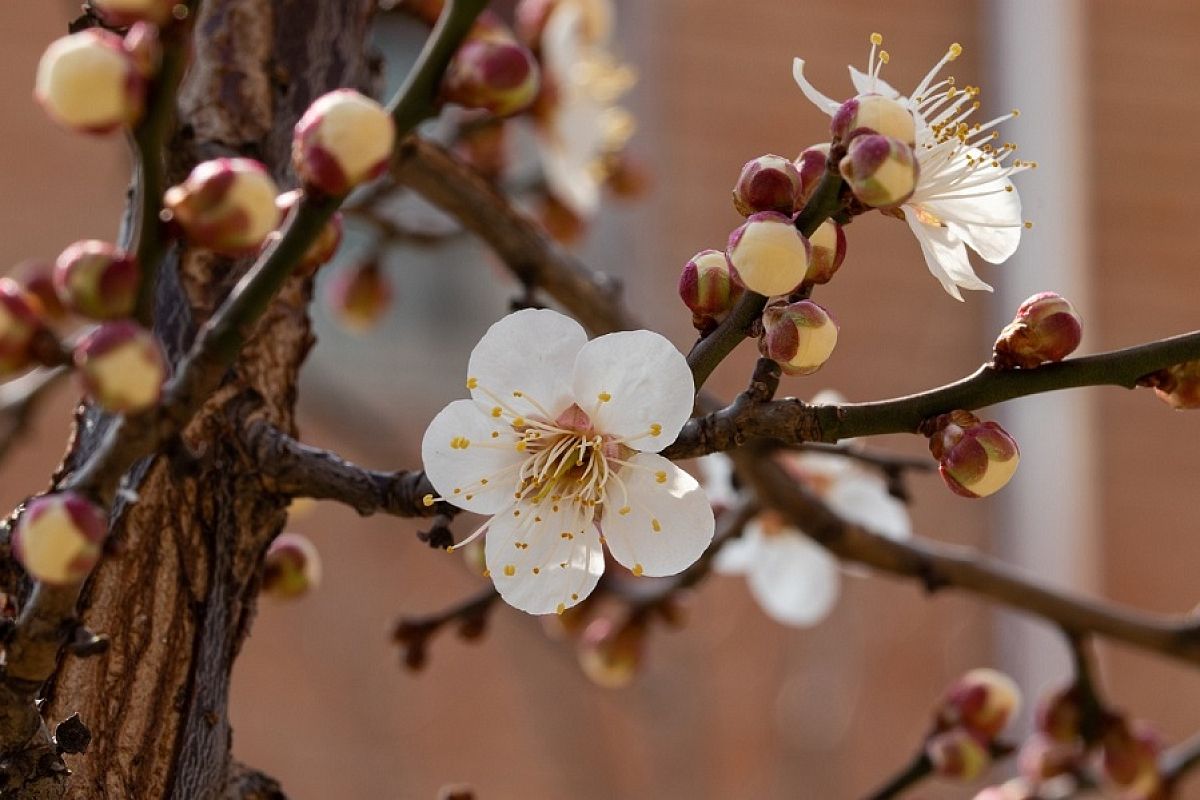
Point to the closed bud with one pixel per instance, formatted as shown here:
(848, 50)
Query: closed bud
(708, 288)
(1046, 328)
(799, 336)
(19, 325)
(1129, 758)
(1177, 386)
(36, 277)
(873, 114)
(292, 567)
(626, 177)
(59, 537)
(610, 654)
(975, 458)
(122, 366)
(981, 701)
(359, 296)
(828, 251)
(881, 171)
(811, 164)
(89, 82)
(343, 139)
(1042, 758)
(957, 754)
(123, 13)
(768, 254)
(328, 241)
(768, 183)
(144, 46)
(1059, 716)
(226, 205)
(494, 74)
(97, 280)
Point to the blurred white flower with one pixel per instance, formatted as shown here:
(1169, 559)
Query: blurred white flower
(580, 124)
(558, 442)
(964, 197)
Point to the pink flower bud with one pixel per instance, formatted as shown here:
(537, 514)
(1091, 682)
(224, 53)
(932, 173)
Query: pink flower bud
(19, 325)
(122, 366)
(343, 139)
(873, 114)
(226, 205)
(97, 280)
(1046, 328)
(768, 183)
(1059, 715)
(768, 254)
(327, 243)
(708, 288)
(36, 277)
(828, 251)
(799, 336)
(144, 46)
(292, 567)
(494, 74)
(811, 165)
(957, 754)
(975, 458)
(1042, 758)
(1130, 754)
(89, 82)
(359, 296)
(626, 177)
(981, 701)
(881, 171)
(1177, 386)
(610, 654)
(123, 13)
(58, 538)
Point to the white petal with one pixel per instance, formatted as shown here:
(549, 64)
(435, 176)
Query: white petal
(717, 471)
(737, 556)
(532, 352)
(557, 563)
(863, 499)
(676, 503)
(485, 457)
(993, 205)
(945, 256)
(864, 85)
(795, 580)
(646, 385)
(816, 98)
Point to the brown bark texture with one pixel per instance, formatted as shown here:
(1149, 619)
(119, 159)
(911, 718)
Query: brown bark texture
(176, 591)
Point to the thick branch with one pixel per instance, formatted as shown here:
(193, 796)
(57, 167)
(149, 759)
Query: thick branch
(297, 470)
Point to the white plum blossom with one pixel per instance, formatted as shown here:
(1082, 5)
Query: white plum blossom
(581, 124)
(795, 580)
(964, 197)
(558, 443)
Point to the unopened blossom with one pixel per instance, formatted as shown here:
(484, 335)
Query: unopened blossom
(558, 443)
(226, 205)
(963, 197)
(89, 82)
(344, 139)
(59, 537)
(122, 367)
(794, 579)
(580, 126)
(1046, 328)
(957, 754)
(291, 568)
(97, 279)
(982, 701)
(122, 13)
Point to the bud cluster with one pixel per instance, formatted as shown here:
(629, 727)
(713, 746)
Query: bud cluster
(709, 288)
(122, 367)
(492, 71)
(91, 82)
(799, 336)
(226, 205)
(975, 458)
(1046, 328)
(342, 140)
(97, 280)
(973, 712)
(359, 295)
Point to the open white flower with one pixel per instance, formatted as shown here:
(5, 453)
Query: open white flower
(964, 197)
(582, 124)
(794, 579)
(558, 442)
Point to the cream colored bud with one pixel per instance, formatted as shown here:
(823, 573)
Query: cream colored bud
(769, 255)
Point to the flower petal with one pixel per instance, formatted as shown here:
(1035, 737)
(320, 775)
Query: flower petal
(717, 471)
(795, 580)
(945, 256)
(864, 84)
(667, 522)
(531, 352)
(992, 204)
(543, 560)
(635, 384)
(737, 556)
(863, 499)
(816, 98)
(456, 471)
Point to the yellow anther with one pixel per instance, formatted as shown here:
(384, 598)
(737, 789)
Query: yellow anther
(518, 422)
(518, 394)
(574, 596)
(472, 383)
(487, 573)
(497, 411)
(470, 497)
(623, 510)
(510, 570)
(884, 57)
(521, 446)
(536, 570)
(495, 434)
(1016, 112)
(1028, 225)
(655, 429)
(483, 481)
(660, 476)
(955, 51)
(567, 535)
(561, 608)
(457, 490)
(638, 569)
(877, 39)
(604, 397)
(656, 525)
(517, 513)
(427, 500)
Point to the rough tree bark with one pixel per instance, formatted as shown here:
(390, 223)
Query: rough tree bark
(177, 590)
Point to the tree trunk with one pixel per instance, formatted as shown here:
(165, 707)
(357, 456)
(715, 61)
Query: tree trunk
(176, 592)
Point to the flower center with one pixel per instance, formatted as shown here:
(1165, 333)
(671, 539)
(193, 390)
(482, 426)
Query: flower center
(571, 465)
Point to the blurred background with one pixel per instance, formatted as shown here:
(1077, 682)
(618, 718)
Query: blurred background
(733, 705)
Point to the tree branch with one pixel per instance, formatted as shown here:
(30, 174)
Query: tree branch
(297, 470)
